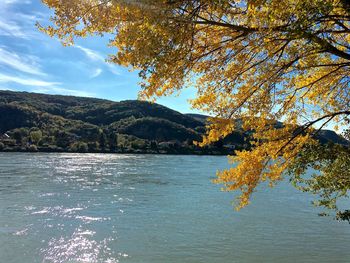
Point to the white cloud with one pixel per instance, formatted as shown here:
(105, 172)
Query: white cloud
(10, 28)
(63, 91)
(96, 73)
(6, 88)
(26, 81)
(113, 69)
(41, 86)
(23, 63)
(11, 2)
(18, 24)
(97, 57)
(93, 55)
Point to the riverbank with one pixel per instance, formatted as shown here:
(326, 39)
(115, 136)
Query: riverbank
(178, 151)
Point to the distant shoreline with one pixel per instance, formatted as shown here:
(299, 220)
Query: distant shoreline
(125, 152)
(31, 122)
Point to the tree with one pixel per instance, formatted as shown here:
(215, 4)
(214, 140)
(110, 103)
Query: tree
(113, 139)
(32, 148)
(102, 140)
(255, 61)
(80, 147)
(154, 145)
(63, 138)
(17, 135)
(93, 146)
(36, 136)
(332, 180)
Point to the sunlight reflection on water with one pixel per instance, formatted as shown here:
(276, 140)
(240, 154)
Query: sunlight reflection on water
(151, 209)
(79, 247)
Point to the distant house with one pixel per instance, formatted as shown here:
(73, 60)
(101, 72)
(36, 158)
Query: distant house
(6, 139)
(4, 136)
(169, 144)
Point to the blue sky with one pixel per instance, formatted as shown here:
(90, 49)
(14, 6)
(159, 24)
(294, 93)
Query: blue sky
(31, 61)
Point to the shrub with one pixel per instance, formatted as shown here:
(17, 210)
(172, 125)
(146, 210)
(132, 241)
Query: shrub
(81, 147)
(36, 136)
(32, 148)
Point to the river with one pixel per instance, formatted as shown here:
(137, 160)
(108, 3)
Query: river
(152, 209)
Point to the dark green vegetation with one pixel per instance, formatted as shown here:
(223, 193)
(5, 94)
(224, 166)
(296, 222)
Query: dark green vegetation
(330, 180)
(38, 122)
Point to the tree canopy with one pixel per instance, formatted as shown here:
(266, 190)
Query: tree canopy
(255, 61)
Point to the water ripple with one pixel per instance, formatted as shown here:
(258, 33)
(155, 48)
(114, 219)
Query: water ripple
(79, 247)
(151, 209)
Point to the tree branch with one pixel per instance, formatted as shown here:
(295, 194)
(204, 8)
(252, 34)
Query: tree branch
(303, 128)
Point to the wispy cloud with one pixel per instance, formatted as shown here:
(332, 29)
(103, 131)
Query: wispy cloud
(113, 69)
(11, 2)
(98, 57)
(91, 54)
(23, 63)
(10, 28)
(6, 88)
(96, 73)
(40, 86)
(27, 81)
(63, 91)
(18, 24)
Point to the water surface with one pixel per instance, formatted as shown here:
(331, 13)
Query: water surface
(150, 209)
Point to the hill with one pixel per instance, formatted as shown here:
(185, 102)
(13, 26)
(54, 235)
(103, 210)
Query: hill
(66, 123)
(39, 122)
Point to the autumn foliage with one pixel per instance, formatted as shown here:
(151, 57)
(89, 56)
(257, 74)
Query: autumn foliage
(252, 62)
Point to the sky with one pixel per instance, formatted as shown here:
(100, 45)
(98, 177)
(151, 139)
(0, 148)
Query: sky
(32, 61)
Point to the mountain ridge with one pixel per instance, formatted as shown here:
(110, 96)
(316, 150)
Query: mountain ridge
(41, 122)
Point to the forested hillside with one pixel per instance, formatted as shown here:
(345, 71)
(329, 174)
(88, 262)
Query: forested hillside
(38, 122)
